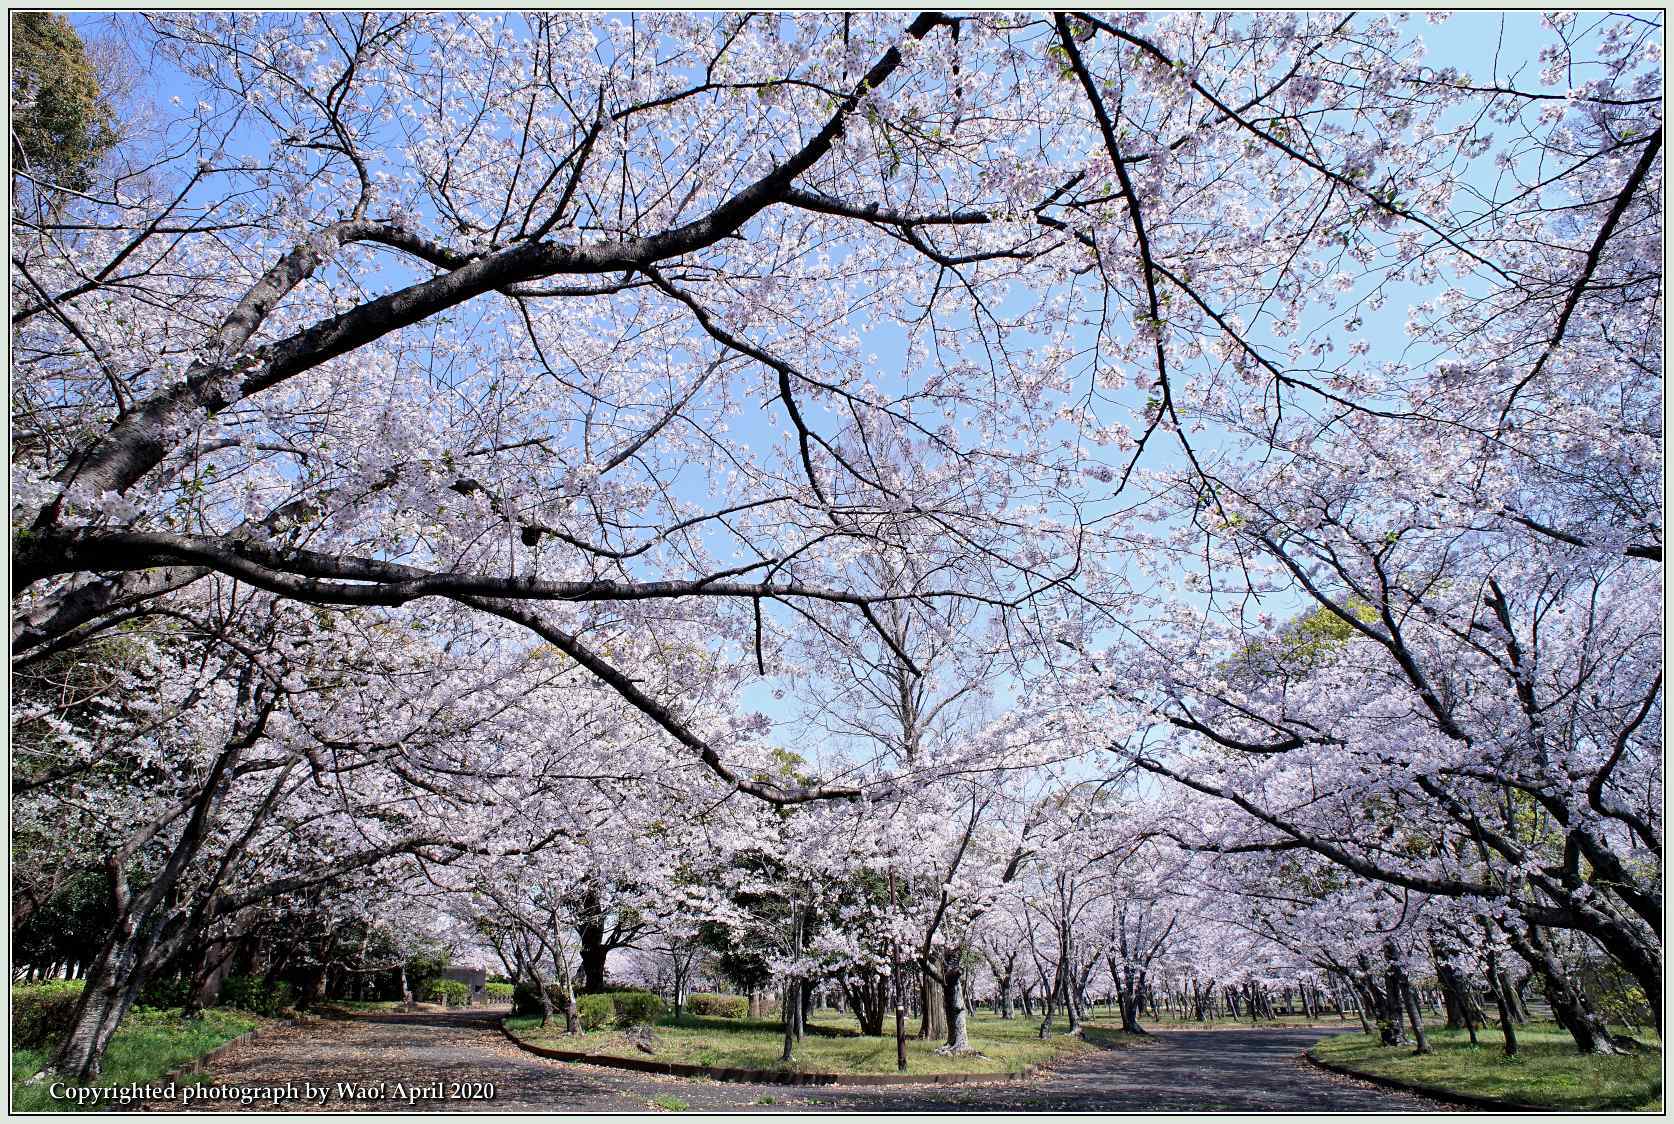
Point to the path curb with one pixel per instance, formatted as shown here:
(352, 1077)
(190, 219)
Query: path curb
(763, 1076)
(1464, 1100)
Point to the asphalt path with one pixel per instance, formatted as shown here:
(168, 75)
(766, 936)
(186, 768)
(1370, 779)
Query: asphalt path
(459, 1061)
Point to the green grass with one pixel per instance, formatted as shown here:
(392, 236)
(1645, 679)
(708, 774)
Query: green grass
(367, 1004)
(148, 1044)
(1546, 1071)
(670, 1102)
(1006, 1046)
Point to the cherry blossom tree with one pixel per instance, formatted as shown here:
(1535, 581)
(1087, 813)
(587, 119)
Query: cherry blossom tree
(429, 432)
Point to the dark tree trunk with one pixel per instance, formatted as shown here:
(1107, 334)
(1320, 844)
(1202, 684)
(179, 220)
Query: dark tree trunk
(932, 1023)
(867, 993)
(590, 928)
(1414, 1017)
(1049, 1003)
(113, 982)
(1497, 984)
(593, 956)
(1569, 1003)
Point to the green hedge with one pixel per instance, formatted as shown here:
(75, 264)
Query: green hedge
(595, 1011)
(500, 992)
(636, 1007)
(718, 1006)
(252, 993)
(454, 993)
(615, 1008)
(43, 1013)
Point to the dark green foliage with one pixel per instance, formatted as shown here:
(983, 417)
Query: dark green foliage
(70, 926)
(717, 1006)
(499, 991)
(452, 992)
(636, 1007)
(251, 993)
(43, 1013)
(61, 123)
(426, 965)
(166, 991)
(525, 1000)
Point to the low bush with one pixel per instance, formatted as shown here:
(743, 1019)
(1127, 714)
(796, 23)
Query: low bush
(454, 993)
(595, 1011)
(636, 1007)
(43, 1013)
(169, 991)
(253, 994)
(718, 1006)
(499, 991)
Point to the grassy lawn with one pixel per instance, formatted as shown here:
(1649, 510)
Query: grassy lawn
(147, 1045)
(1546, 1071)
(1007, 1046)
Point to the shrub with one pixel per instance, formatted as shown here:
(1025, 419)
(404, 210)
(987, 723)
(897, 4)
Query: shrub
(454, 993)
(253, 994)
(595, 1011)
(499, 991)
(636, 1007)
(43, 1013)
(718, 1006)
(168, 991)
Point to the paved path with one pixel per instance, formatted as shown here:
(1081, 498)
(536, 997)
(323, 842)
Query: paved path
(1236, 1070)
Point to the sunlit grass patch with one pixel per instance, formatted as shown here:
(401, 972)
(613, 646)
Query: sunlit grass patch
(148, 1044)
(1546, 1071)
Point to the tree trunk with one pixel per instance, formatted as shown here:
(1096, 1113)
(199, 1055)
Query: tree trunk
(867, 992)
(790, 1009)
(1049, 1002)
(953, 1002)
(1497, 985)
(933, 1020)
(206, 980)
(111, 986)
(1569, 1003)
(593, 958)
(1414, 1017)
(681, 970)
(1570, 1007)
